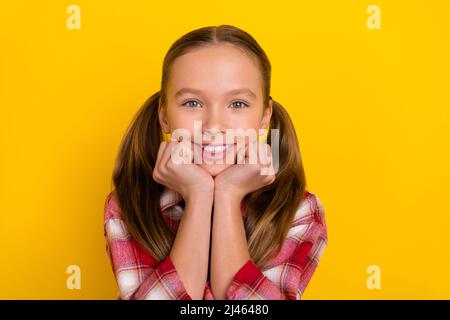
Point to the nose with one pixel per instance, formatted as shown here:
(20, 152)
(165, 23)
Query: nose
(214, 136)
(214, 125)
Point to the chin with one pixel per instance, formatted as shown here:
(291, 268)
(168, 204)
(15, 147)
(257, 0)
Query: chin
(215, 169)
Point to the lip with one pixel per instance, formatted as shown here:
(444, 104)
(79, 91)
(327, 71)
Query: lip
(214, 152)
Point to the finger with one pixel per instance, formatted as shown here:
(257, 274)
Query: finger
(268, 171)
(265, 154)
(156, 169)
(161, 148)
(267, 165)
(251, 152)
(183, 153)
(167, 153)
(241, 152)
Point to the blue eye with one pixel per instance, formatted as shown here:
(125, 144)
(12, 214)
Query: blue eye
(241, 106)
(189, 101)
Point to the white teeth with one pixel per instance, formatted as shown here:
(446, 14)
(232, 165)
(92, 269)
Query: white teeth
(214, 149)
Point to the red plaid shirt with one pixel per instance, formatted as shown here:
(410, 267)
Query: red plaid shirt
(141, 276)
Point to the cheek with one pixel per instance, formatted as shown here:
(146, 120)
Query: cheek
(179, 119)
(184, 128)
(180, 123)
(249, 121)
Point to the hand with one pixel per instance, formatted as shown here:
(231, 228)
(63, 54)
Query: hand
(179, 173)
(244, 177)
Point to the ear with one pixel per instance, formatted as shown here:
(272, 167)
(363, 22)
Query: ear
(265, 121)
(162, 116)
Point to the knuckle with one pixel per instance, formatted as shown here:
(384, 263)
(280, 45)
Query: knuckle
(170, 164)
(269, 179)
(167, 169)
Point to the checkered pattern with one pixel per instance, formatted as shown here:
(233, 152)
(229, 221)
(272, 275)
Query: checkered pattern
(141, 277)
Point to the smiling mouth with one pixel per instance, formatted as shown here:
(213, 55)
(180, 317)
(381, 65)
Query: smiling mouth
(214, 152)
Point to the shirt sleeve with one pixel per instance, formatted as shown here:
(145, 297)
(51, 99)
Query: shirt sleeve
(139, 276)
(302, 249)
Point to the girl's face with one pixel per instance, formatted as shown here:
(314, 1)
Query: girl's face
(221, 87)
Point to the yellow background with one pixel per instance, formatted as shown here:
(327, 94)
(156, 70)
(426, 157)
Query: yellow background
(371, 108)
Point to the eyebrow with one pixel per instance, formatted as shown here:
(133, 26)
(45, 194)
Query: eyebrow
(246, 91)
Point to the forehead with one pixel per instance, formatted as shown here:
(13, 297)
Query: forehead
(215, 69)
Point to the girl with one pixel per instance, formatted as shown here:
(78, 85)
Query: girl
(215, 229)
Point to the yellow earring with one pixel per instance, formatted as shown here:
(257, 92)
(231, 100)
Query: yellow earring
(263, 137)
(166, 136)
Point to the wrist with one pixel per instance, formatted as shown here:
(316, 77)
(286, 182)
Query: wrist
(228, 195)
(201, 193)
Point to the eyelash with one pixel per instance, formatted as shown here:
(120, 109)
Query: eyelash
(246, 105)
